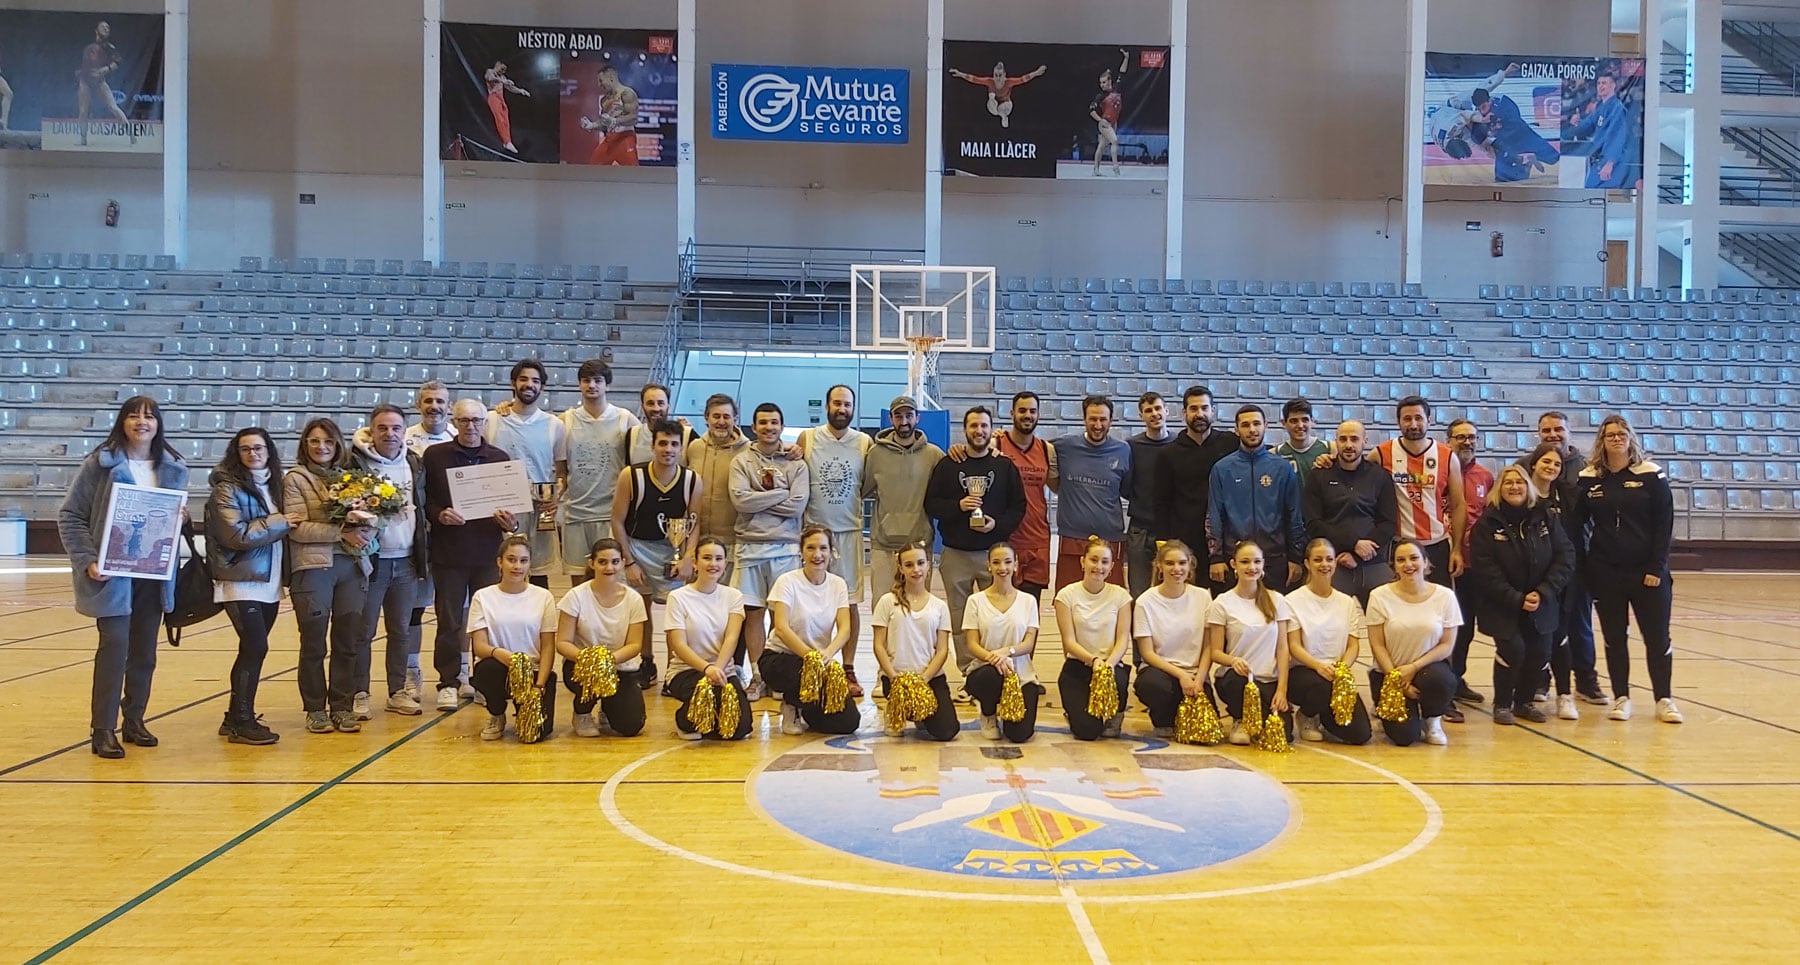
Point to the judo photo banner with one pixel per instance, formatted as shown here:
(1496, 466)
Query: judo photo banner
(81, 81)
(1069, 111)
(558, 95)
(1529, 121)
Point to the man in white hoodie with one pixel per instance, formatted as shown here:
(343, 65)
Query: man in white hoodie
(595, 453)
(769, 488)
(400, 563)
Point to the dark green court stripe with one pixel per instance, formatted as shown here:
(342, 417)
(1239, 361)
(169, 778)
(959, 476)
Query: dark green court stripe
(215, 853)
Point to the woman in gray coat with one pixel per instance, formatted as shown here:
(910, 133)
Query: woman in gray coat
(330, 581)
(127, 611)
(244, 532)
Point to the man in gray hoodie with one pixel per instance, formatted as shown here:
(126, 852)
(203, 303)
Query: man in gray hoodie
(400, 562)
(769, 488)
(895, 473)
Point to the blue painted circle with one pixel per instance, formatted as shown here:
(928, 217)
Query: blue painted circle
(1050, 808)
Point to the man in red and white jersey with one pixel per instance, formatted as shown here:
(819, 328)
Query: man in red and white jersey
(1429, 489)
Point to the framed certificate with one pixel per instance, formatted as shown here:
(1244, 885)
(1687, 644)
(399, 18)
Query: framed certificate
(142, 533)
(478, 492)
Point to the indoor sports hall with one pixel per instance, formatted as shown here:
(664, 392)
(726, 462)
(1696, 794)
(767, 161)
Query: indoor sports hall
(667, 480)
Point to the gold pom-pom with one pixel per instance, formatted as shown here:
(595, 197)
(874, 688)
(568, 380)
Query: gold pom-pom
(909, 699)
(1197, 721)
(1012, 699)
(1343, 694)
(837, 687)
(731, 711)
(595, 673)
(703, 707)
(1274, 736)
(812, 676)
(527, 696)
(1103, 693)
(1391, 706)
(1252, 720)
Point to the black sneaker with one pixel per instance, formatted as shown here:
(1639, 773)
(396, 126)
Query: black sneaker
(1453, 716)
(252, 731)
(1465, 695)
(1504, 715)
(1529, 712)
(1593, 695)
(647, 676)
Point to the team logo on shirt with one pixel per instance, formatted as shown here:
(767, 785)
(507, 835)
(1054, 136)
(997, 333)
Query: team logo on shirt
(1266, 481)
(1054, 808)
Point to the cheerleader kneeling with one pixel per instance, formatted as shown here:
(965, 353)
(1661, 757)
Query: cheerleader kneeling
(1001, 624)
(513, 620)
(1170, 627)
(809, 610)
(1246, 635)
(912, 636)
(703, 621)
(604, 612)
(1327, 631)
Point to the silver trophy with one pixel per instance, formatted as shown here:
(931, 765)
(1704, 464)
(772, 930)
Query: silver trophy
(545, 495)
(978, 488)
(678, 529)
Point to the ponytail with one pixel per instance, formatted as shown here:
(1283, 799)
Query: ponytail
(1265, 601)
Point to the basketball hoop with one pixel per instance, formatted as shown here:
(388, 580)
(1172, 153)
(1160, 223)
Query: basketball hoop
(921, 367)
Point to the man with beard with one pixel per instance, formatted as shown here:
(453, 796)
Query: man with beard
(1094, 475)
(540, 440)
(1351, 502)
(1036, 461)
(895, 474)
(1428, 489)
(653, 406)
(433, 427)
(1184, 476)
(769, 489)
(595, 453)
(834, 455)
(1254, 495)
(710, 455)
(971, 519)
(1146, 451)
(1476, 481)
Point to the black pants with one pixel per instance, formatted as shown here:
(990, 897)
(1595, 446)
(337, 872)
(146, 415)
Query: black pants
(126, 658)
(1469, 600)
(1572, 645)
(328, 605)
(781, 674)
(1231, 691)
(1312, 694)
(1075, 684)
(455, 586)
(252, 621)
(1518, 660)
(1436, 683)
(682, 688)
(490, 677)
(942, 725)
(1438, 555)
(1162, 694)
(984, 683)
(1614, 595)
(624, 710)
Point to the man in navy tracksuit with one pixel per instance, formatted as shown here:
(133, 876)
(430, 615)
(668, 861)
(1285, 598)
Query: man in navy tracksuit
(1519, 150)
(1255, 495)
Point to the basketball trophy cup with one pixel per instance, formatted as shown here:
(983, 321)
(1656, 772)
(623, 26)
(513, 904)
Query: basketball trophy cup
(977, 488)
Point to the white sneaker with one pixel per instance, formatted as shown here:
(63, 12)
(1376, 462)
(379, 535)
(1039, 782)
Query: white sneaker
(359, 705)
(466, 690)
(756, 690)
(415, 680)
(1238, 736)
(1565, 707)
(687, 735)
(990, 727)
(792, 724)
(1667, 712)
(1621, 709)
(1309, 729)
(447, 699)
(586, 726)
(1434, 732)
(495, 726)
(404, 702)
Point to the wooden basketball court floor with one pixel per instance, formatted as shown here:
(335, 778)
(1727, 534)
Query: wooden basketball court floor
(1576, 841)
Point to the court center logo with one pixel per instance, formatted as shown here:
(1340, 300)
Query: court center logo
(769, 103)
(1054, 808)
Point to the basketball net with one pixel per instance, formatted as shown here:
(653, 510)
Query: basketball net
(922, 368)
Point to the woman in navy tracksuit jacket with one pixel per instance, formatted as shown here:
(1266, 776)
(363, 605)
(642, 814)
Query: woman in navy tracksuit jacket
(1520, 559)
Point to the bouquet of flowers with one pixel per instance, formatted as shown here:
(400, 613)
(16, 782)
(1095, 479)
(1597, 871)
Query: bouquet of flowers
(358, 497)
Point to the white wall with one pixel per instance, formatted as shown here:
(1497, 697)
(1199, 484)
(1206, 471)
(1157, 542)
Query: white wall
(1294, 119)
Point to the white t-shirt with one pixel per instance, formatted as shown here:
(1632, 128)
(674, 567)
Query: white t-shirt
(604, 626)
(702, 616)
(269, 590)
(812, 608)
(513, 620)
(1248, 634)
(1412, 629)
(1004, 628)
(1094, 615)
(418, 440)
(912, 635)
(1326, 622)
(143, 471)
(1178, 626)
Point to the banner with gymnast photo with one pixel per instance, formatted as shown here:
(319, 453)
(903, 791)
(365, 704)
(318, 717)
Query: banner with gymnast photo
(556, 95)
(1068, 111)
(87, 82)
(1519, 120)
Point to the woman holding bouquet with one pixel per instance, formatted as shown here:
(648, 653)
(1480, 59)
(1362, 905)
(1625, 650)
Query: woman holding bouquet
(330, 579)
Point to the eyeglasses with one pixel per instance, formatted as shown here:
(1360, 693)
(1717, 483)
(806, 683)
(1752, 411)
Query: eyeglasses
(1616, 435)
(1463, 437)
(251, 450)
(469, 420)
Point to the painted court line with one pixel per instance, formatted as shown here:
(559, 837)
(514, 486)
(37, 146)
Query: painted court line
(243, 836)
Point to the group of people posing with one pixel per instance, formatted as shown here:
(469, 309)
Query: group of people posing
(1201, 558)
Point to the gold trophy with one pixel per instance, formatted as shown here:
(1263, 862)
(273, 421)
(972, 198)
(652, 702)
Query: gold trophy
(978, 488)
(545, 495)
(678, 530)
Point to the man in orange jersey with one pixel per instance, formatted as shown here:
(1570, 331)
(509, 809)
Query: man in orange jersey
(1428, 484)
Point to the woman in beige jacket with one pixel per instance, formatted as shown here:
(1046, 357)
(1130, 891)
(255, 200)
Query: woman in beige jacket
(330, 580)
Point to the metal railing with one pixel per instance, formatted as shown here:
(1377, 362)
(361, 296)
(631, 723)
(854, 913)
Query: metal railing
(1773, 151)
(795, 270)
(662, 364)
(1738, 185)
(1768, 60)
(1776, 255)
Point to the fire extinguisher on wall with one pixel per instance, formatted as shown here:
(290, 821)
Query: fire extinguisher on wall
(112, 213)
(1497, 245)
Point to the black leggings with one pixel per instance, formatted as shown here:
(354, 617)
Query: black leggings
(985, 684)
(624, 710)
(1519, 659)
(942, 725)
(252, 621)
(781, 674)
(1311, 693)
(1075, 684)
(1617, 596)
(1436, 684)
(1162, 695)
(682, 689)
(1231, 691)
(490, 677)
